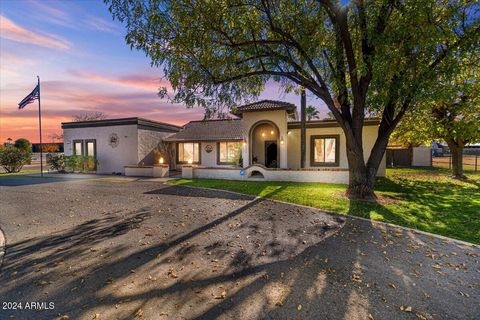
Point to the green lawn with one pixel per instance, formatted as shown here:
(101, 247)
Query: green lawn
(424, 198)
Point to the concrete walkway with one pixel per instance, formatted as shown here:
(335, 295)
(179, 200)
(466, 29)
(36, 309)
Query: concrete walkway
(111, 249)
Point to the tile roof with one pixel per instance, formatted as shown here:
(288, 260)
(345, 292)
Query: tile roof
(265, 105)
(210, 130)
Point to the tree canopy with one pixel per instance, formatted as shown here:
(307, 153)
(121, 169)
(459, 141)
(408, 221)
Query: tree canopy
(368, 57)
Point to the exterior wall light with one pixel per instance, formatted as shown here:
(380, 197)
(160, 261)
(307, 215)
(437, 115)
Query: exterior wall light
(263, 134)
(272, 132)
(161, 160)
(190, 161)
(281, 140)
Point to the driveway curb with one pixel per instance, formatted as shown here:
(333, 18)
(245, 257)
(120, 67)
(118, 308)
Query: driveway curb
(473, 245)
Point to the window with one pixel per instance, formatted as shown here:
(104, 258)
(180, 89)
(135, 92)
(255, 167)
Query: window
(78, 147)
(324, 150)
(187, 152)
(227, 151)
(91, 147)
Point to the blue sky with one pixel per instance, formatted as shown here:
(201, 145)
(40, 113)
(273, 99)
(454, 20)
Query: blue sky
(84, 64)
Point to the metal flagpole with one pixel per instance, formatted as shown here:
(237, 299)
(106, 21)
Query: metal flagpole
(40, 128)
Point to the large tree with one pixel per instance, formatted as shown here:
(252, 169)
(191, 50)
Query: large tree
(369, 57)
(449, 112)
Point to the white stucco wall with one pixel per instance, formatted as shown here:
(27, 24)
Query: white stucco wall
(109, 159)
(147, 141)
(293, 141)
(318, 175)
(279, 117)
(421, 157)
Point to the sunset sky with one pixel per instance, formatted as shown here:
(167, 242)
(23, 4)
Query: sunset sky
(84, 64)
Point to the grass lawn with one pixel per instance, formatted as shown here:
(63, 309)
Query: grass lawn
(423, 198)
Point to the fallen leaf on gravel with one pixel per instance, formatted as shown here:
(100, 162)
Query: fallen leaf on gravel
(42, 282)
(299, 307)
(223, 295)
(370, 317)
(437, 266)
(356, 278)
(423, 316)
(64, 317)
(392, 285)
(13, 273)
(96, 316)
(464, 294)
(139, 313)
(406, 309)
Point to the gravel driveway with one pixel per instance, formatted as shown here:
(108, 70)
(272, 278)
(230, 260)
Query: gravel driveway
(122, 249)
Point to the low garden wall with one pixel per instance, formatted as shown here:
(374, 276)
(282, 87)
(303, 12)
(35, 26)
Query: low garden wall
(156, 171)
(258, 173)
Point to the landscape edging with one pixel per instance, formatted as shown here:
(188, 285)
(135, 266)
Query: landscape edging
(348, 215)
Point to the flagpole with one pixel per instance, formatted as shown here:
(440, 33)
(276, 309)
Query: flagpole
(40, 128)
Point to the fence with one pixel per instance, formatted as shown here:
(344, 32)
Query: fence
(470, 162)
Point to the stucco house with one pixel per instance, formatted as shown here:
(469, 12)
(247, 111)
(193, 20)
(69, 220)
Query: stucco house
(262, 141)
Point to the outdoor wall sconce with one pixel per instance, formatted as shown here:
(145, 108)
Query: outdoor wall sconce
(190, 161)
(161, 160)
(272, 132)
(263, 134)
(281, 140)
(244, 143)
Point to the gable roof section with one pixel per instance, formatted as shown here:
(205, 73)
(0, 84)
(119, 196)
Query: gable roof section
(140, 122)
(267, 105)
(210, 130)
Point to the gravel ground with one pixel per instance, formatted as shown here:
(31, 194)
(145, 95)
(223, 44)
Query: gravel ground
(123, 249)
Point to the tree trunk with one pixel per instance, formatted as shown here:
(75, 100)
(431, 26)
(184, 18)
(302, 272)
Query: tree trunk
(361, 179)
(456, 150)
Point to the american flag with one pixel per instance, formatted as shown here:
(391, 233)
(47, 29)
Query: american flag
(34, 95)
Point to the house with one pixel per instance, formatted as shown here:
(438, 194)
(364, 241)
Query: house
(263, 141)
(116, 143)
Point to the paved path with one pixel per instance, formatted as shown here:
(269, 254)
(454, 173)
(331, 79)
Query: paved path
(122, 249)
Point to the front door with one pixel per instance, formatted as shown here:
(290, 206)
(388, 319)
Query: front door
(271, 160)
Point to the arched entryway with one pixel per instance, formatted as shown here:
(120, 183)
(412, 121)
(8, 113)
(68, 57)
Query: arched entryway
(265, 144)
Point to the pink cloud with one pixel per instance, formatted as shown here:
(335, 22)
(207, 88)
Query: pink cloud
(101, 25)
(12, 31)
(144, 82)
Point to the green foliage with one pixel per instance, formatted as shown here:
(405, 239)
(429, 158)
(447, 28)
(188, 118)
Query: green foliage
(220, 53)
(450, 111)
(23, 144)
(77, 163)
(56, 162)
(312, 113)
(12, 159)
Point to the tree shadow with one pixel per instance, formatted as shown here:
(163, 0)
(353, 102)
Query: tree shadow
(272, 260)
(186, 191)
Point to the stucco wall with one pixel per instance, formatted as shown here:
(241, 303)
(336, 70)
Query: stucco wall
(147, 141)
(421, 157)
(109, 159)
(279, 117)
(293, 141)
(329, 176)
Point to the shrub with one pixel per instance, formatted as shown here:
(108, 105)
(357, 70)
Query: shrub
(13, 159)
(89, 163)
(56, 162)
(80, 163)
(23, 144)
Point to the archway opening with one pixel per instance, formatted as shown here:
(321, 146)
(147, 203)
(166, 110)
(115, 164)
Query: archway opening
(256, 174)
(265, 150)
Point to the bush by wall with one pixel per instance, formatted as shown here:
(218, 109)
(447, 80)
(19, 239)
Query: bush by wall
(56, 162)
(80, 163)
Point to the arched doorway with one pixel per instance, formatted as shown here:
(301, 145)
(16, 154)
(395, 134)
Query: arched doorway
(264, 144)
